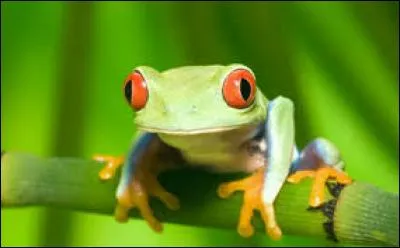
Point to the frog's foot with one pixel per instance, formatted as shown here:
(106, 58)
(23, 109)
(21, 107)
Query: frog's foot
(144, 185)
(113, 163)
(252, 187)
(321, 175)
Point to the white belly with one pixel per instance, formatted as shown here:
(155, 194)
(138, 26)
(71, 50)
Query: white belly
(240, 161)
(219, 152)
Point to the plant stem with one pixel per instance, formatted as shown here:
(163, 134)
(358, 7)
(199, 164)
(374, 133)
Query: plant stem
(73, 183)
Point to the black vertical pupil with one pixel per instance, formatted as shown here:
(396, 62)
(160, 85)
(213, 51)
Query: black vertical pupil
(245, 89)
(128, 90)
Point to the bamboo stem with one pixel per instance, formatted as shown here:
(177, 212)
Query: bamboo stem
(73, 183)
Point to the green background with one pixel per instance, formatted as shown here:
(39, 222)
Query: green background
(63, 65)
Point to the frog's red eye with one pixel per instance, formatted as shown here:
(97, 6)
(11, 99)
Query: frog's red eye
(136, 92)
(239, 89)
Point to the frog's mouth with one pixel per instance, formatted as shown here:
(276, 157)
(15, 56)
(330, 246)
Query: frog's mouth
(191, 131)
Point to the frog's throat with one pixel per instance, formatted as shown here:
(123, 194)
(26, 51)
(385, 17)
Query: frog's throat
(191, 131)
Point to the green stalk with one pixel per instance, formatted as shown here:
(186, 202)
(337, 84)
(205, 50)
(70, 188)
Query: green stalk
(360, 214)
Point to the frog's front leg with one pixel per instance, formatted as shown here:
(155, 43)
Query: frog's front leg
(262, 187)
(148, 158)
(320, 160)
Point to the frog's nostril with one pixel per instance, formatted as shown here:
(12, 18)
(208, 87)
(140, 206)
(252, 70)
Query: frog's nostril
(194, 108)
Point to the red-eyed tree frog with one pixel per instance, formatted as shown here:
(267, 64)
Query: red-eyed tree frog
(215, 117)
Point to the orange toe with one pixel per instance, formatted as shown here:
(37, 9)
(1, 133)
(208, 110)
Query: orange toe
(300, 175)
(136, 197)
(268, 214)
(144, 186)
(227, 189)
(252, 188)
(321, 175)
(112, 164)
(275, 233)
(121, 213)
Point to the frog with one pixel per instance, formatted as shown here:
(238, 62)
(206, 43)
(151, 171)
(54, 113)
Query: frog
(215, 118)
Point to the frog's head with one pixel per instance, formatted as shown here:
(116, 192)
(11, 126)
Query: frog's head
(194, 99)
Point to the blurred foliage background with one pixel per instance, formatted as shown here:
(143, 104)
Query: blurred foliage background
(63, 65)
